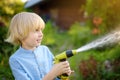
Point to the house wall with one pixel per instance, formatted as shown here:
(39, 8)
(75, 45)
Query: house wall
(68, 16)
(63, 12)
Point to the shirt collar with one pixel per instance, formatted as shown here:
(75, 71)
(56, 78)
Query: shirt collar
(25, 50)
(28, 51)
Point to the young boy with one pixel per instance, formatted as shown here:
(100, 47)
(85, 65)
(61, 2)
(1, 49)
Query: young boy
(32, 61)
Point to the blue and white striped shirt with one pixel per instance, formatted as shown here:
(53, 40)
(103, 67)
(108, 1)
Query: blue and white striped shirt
(31, 65)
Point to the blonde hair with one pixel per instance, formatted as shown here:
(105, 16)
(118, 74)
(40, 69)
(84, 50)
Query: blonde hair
(21, 24)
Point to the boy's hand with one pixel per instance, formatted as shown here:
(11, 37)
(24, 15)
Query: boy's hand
(58, 69)
(61, 68)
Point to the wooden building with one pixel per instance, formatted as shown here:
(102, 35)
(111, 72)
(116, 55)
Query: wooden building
(63, 13)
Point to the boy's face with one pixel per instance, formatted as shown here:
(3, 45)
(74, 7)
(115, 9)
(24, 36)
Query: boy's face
(32, 40)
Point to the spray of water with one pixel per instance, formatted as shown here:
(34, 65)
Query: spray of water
(110, 39)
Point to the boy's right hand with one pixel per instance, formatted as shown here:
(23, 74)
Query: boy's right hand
(61, 68)
(57, 70)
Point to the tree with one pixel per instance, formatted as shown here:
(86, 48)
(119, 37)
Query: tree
(107, 10)
(8, 8)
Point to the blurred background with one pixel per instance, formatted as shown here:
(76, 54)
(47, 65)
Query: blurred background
(70, 24)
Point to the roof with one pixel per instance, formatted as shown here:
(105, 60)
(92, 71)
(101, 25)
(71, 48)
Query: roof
(31, 3)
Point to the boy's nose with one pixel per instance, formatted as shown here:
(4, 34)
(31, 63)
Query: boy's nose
(40, 34)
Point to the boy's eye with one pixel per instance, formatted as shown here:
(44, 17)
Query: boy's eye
(37, 30)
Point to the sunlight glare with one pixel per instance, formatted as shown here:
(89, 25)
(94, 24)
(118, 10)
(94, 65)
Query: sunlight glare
(24, 0)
